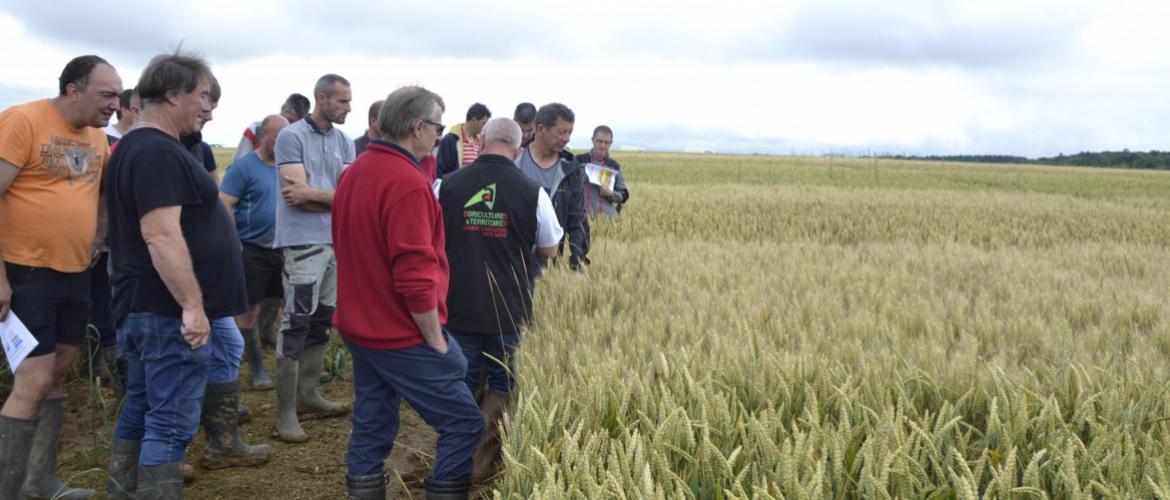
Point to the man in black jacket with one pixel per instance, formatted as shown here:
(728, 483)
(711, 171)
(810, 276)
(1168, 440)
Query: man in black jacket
(498, 220)
(547, 162)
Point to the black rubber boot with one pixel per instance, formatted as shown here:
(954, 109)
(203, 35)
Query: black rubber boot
(371, 487)
(122, 470)
(224, 448)
(42, 481)
(447, 490)
(160, 482)
(253, 354)
(16, 438)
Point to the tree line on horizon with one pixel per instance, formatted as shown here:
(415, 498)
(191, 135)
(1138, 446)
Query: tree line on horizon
(1151, 160)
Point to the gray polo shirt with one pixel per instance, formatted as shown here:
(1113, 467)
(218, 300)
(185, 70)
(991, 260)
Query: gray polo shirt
(323, 154)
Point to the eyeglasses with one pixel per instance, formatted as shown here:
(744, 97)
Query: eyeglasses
(439, 127)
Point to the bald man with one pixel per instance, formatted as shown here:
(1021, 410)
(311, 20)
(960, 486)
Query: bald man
(495, 218)
(251, 190)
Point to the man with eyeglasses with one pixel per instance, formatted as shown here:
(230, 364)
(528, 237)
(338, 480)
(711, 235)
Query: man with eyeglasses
(392, 291)
(310, 155)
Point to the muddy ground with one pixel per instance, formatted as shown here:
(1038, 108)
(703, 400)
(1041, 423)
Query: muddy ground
(312, 470)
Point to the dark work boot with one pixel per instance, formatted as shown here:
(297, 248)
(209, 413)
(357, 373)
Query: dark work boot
(486, 462)
(253, 354)
(447, 490)
(122, 470)
(220, 417)
(371, 487)
(41, 480)
(16, 438)
(312, 363)
(287, 426)
(160, 482)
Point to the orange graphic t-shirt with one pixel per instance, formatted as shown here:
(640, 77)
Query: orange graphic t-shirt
(48, 215)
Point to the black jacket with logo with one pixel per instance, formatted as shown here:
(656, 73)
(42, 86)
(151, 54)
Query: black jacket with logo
(489, 216)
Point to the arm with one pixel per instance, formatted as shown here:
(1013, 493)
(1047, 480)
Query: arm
(169, 254)
(414, 263)
(548, 230)
(297, 192)
(228, 200)
(621, 193)
(8, 174)
(575, 219)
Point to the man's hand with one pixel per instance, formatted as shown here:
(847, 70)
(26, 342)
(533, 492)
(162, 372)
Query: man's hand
(606, 192)
(440, 346)
(196, 328)
(5, 297)
(296, 192)
(95, 251)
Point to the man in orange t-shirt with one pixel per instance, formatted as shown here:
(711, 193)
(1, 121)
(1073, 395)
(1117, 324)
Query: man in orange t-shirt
(52, 153)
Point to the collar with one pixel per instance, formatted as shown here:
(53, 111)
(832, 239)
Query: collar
(398, 149)
(313, 125)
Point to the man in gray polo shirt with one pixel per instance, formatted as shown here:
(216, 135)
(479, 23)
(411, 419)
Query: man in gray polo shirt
(310, 154)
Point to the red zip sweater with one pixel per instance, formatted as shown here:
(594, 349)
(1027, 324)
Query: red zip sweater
(391, 257)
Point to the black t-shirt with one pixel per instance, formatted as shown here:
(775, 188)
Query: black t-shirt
(149, 170)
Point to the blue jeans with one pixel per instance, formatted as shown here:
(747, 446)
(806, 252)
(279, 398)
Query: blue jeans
(477, 347)
(433, 385)
(164, 387)
(227, 349)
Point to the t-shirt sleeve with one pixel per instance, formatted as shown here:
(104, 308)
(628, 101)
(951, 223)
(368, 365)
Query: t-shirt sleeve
(350, 151)
(288, 148)
(235, 181)
(164, 181)
(548, 229)
(16, 136)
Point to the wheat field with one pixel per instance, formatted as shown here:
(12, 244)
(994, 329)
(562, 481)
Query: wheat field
(761, 327)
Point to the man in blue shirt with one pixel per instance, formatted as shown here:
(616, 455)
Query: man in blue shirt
(251, 191)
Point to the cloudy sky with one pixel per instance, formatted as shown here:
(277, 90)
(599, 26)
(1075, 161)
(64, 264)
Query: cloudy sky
(1023, 77)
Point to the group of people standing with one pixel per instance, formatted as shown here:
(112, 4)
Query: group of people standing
(423, 250)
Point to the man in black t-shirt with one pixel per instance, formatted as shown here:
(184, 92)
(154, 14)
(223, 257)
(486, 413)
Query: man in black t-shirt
(176, 262)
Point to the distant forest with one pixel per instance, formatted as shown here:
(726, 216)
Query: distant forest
(1159, 160)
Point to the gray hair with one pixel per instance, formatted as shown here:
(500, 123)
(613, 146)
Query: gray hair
(179, 72)
(325, 84)
(502, 130)
(404, 109)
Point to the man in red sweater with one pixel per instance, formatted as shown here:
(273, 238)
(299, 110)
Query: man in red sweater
(391, 290)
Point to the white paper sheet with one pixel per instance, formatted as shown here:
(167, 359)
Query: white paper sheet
(17, 340)
(602, 176)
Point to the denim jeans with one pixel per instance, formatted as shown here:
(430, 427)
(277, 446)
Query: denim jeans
(227, 349)
(433, 385)
(477, 347)
(164, 387)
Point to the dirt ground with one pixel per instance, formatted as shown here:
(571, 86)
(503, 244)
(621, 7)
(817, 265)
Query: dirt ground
(312, 470)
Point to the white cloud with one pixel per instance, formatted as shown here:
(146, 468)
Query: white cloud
(921, 76)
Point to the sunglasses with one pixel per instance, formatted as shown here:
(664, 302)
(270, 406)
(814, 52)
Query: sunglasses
(439, 127)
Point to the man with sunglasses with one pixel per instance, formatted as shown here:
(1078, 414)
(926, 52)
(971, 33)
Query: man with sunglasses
(310, 155)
